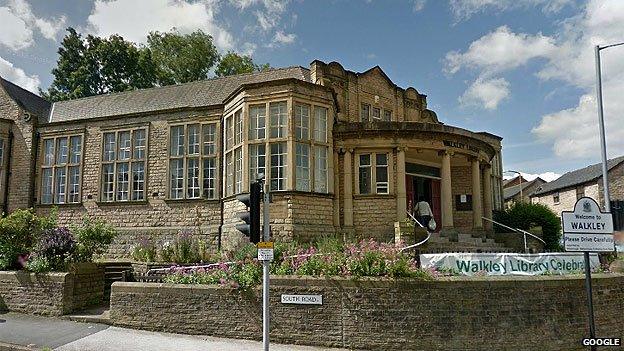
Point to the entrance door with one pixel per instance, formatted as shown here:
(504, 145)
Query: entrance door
(429, 190)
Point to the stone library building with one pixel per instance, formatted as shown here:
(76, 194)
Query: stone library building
(345, 153)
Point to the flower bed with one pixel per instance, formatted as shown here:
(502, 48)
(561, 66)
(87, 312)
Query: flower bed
(327, 258)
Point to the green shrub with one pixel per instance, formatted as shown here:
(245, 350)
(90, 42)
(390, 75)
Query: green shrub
(55, 246)
(19, 232)
(92, 238)
(526, 215)
(144, 250)
(38, 264)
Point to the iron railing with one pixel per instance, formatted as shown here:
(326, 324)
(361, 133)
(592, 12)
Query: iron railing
(517, 230)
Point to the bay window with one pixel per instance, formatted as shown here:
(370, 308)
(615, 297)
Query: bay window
(279, 120)
(302, 171)
(123, 165)
(61, 169)
(192, 161)
(257, 122)
(279, 166)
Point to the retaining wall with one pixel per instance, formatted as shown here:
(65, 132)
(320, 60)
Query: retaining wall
(503, 313)
(51, 294)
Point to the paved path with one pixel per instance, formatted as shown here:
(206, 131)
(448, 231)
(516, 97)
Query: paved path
(65, 335)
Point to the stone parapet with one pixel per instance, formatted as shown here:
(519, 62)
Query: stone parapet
(497, 313)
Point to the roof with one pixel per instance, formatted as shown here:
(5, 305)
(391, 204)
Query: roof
(209, 92)
(514, 190)
(508, 182)
(579, 176)
(30, 102)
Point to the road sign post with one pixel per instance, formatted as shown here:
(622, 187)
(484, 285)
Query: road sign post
(265, 264)
(588, 229)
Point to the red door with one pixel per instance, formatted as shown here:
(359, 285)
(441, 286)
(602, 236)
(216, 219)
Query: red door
(436, 206)
(409, 192)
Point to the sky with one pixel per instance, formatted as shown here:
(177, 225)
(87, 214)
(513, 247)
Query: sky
(521, 69)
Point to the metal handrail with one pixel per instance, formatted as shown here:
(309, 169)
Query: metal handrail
(518, 230)
(422, 226)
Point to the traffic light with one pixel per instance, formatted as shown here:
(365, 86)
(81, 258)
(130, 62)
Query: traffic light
(251, 217)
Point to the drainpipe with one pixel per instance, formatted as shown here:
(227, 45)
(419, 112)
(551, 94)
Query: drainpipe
(33, 169)
(5, 205)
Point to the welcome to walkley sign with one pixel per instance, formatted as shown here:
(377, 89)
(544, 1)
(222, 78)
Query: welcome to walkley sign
(508, 263)
(587, 228)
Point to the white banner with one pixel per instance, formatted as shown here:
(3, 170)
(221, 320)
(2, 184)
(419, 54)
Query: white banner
(508, 263)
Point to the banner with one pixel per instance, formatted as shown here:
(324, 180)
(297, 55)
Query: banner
(471, 264)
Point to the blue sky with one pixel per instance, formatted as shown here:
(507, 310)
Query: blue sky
(522, 69)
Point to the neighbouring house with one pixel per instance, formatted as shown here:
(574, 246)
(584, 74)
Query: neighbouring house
(562, 193)
(344, 152)
(513, 181)
(516, 191)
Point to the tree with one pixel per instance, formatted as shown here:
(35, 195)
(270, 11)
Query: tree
(94, 65)
(233, 63)
(97, 65)
(526, 215)
(180, 58)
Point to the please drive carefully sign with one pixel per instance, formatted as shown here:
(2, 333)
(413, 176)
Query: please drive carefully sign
(587, 228)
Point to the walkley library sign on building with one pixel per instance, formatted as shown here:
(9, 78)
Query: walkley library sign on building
(587, 228)
(508, 263)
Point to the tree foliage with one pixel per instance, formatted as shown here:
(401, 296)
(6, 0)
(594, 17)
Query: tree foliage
(526, 215)
(233, 63)
(93, 65)
(181, 58)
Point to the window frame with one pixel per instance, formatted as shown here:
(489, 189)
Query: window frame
(66, 166)
(202, 156)
(373, 183)
(130, 161)
(556, 198)
(365, 106)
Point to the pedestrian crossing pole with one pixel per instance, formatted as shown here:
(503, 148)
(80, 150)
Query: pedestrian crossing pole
(265, 268)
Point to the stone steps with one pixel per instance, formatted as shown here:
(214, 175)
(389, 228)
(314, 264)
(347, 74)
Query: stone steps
(466, 242)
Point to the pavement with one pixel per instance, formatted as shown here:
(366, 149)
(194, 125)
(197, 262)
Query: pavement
(34, 332)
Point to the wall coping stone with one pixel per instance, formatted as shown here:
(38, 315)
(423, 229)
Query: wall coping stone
(372, 282)
(22, 276)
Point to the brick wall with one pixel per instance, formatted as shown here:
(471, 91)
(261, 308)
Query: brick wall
(532, 313)
(88, 285)
(461, 183)
(374, 216)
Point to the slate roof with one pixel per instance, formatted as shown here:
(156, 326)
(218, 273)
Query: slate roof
(202, 93)
(577, 177)
(514, 190)
(30, 102)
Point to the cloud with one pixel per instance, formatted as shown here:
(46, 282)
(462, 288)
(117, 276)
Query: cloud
(487, 93)
(269, 13)
(547, 176)
(500, 50)
(284, 39)
(573, 132)
(18, 76)
(134, 19)
(464, 9)
(418, 5)
(18, 22)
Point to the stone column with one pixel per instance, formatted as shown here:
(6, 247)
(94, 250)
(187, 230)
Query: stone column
(446, 192)
(487, 195)
(477, 208)
(400, 184)
(336, 190)
(348, 190)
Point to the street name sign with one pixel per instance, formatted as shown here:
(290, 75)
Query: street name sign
(265, 251)
(303, 299)
(587, 228)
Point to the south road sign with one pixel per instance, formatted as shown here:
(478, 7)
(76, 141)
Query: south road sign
(587, 228)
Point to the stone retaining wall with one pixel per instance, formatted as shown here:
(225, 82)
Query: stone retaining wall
(51, 294)
(504, 313)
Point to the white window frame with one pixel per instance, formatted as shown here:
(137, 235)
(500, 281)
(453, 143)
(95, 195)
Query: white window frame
(376, 187)
(257, 122)
(303, 167)
(116, 162)
(278, 119)
(279, 170)
(206, 151)
(55, 167)
(302, 121)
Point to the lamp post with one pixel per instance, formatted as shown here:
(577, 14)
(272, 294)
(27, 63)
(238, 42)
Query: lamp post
(603, 143)
(520, 184)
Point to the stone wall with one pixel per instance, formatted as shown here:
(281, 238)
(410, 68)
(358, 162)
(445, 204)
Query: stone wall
(458, 313)
(374, 216)
(43, 294)
(52, 294)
